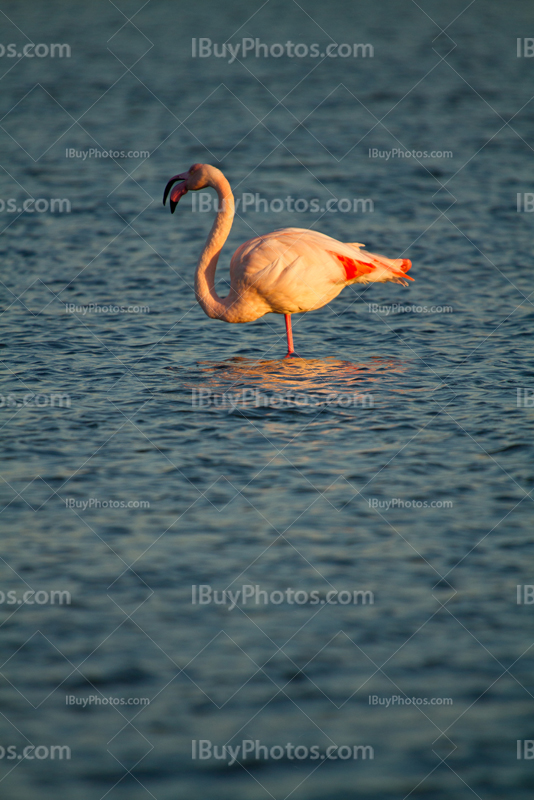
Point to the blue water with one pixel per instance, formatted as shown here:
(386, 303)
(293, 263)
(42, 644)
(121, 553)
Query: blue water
(417, 489)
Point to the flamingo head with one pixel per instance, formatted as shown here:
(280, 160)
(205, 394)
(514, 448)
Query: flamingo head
(195, 178)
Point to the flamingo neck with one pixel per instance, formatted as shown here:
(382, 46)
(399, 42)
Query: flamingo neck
(213, 305)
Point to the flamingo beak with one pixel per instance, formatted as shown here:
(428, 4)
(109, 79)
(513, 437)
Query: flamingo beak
(177, 192)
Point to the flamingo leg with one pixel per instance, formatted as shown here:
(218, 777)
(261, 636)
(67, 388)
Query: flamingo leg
(290, 348)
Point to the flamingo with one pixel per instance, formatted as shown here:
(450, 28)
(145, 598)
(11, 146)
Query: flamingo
(288, 271)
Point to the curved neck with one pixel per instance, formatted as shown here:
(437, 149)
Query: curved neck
(213, 305)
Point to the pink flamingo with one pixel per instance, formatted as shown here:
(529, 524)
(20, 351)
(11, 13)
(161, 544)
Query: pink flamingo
(288, 271)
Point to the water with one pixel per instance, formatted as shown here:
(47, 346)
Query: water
(416, 489)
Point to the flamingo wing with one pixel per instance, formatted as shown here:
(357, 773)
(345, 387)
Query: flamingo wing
(295, 269)
(358, 266)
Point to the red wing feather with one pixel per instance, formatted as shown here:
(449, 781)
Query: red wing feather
(354, 268)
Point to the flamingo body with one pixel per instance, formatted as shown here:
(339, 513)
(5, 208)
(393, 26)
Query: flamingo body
(294, 270)
(289, 271)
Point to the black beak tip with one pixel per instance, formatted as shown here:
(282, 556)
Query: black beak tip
(172, 205)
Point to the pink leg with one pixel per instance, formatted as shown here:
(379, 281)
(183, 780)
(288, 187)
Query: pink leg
(290, 348)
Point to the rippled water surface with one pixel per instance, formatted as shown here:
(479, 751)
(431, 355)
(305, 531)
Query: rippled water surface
(392, 456)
